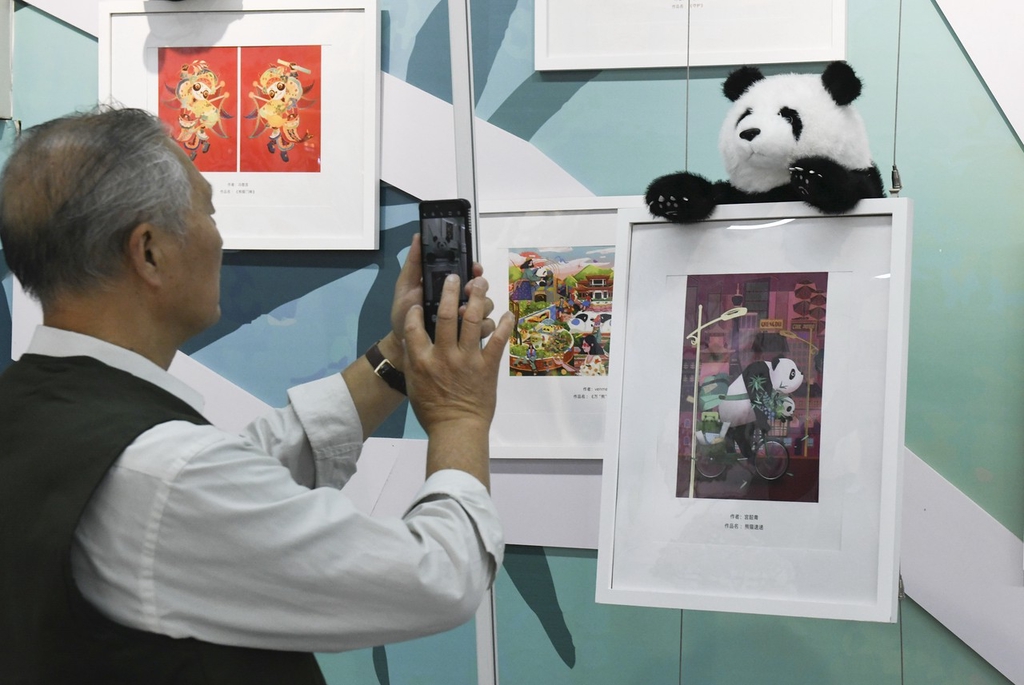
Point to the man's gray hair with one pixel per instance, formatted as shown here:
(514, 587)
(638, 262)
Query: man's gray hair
(74, 189)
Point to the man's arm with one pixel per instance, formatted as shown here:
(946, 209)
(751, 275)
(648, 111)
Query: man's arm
(373, 398)
(214, 522)
(453, 381)
(302, 440)
(197, 534)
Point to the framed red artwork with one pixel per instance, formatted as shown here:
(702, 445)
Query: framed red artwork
(277, 106)
(198, 93)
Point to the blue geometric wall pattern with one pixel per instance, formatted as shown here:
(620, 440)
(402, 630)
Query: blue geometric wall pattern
(293, 316)
(302, 340)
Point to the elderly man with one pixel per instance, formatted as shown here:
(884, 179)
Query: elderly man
(140, 544)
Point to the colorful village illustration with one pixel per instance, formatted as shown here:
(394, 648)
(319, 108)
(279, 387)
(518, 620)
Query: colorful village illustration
(750, 415)
(562, 301)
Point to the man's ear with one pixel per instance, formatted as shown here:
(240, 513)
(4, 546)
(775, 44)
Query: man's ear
(143, 253)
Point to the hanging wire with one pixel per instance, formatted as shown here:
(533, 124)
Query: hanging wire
(686, 119)
(680, 647)
(686, 167)
(897, 184)
(899, 617)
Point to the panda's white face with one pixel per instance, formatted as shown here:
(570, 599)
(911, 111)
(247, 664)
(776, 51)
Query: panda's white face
(782, 118)
(584, 322)
(785, 376)
(786, 408)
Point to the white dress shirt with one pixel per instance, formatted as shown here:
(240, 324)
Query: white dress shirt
(246, 540)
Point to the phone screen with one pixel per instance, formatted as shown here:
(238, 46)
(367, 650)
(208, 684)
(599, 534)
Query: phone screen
(446, 246)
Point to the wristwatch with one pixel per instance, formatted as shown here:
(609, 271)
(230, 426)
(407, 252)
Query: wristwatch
(383, 367)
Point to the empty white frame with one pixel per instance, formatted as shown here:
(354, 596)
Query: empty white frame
(616, 34)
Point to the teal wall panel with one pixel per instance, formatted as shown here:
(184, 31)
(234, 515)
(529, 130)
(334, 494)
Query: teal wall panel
(445, 659)
(613, 645)
(551, 631)
(722, 649)
(352, 668)
(964, 168)
(933, 656)
(56, 67)
(729, 649)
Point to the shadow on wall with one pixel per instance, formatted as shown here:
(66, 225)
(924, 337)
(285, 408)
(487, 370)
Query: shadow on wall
(530, 573)
(380, 665)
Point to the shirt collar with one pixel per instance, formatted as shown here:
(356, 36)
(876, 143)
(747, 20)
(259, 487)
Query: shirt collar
(55, 342)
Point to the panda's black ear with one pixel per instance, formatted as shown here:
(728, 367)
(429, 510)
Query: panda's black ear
(738, 81)
(841, 83)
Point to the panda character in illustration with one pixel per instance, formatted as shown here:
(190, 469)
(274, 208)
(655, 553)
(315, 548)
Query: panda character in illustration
(787, 137)
(756, 398)
(584, 322)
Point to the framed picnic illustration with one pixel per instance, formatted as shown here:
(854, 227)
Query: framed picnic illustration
(615, 34)
(755, 418)
(276, 103)
(553, 265)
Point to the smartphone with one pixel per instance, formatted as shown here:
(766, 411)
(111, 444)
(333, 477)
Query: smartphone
(446, 239)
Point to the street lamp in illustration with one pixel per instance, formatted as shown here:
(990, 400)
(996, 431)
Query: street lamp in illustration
(694, 339)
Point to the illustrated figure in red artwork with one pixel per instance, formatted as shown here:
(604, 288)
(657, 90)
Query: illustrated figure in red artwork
(278, 97)
(201, 107)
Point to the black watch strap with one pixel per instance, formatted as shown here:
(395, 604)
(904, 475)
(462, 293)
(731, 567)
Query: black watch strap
(383, 367)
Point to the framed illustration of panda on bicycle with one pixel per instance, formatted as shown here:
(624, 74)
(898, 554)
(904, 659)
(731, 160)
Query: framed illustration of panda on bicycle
(755, 422)
(752, 380)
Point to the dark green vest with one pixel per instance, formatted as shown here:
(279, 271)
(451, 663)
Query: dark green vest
(63, 423)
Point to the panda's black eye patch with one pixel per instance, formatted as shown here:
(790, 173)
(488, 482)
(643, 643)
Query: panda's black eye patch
(793, 117)
(744, 115)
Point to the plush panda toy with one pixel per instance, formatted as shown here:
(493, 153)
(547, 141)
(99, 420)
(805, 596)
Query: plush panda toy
(787, 137)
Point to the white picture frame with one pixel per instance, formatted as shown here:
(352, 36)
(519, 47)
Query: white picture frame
(558, 414)
(332, 202)
(834, 557)
(614, 34)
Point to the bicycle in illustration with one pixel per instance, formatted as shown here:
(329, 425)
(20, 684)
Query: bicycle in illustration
(770, 457)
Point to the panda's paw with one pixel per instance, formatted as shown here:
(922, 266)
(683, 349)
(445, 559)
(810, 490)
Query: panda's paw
(823, 183)
(664, 207)
(807, 178)
(682, 198)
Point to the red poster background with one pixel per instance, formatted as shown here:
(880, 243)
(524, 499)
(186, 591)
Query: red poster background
(256, 134)
(222, 152)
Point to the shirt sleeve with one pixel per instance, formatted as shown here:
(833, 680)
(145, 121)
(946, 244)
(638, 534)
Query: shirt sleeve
(223, 545)
(317, 437)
